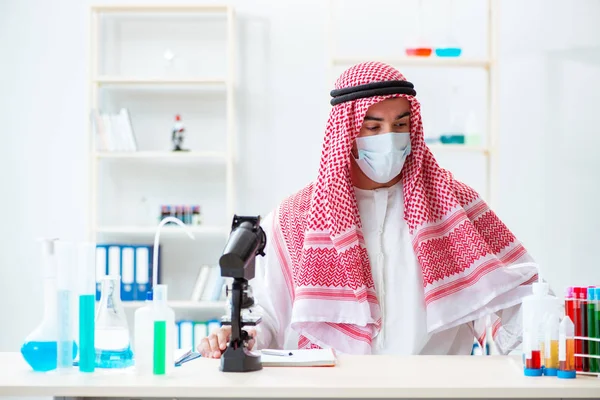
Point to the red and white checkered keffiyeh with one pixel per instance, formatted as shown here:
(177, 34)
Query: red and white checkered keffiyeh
(462, 246)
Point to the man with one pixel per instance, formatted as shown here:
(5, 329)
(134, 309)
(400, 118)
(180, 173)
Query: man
(385, 252)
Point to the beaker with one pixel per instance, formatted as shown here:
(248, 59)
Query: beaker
(113, 349)
(39, 349)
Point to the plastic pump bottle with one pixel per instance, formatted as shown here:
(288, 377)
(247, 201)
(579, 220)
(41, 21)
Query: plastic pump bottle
(154, 336)
(537, 309)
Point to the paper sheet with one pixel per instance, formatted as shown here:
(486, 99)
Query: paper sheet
(298, 358)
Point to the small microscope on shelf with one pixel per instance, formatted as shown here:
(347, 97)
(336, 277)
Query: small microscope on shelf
(246, 241)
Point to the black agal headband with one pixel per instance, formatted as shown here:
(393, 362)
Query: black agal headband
(371, 89)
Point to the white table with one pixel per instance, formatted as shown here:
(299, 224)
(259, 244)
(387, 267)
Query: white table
(354, 377)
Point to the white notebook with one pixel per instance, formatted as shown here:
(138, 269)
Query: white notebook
(298, 358)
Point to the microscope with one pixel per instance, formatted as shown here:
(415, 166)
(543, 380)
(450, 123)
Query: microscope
(246, 241)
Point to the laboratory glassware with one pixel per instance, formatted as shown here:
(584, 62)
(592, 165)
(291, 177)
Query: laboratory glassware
(420, 47)
(566, 349)
(39, 349)
(66, 346)
(112, 340)
(449, 46)
(551, 345)
(87, 302)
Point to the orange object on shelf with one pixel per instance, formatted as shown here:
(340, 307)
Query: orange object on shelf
(419, 51)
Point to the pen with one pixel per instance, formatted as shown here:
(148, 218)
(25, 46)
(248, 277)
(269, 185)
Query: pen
(276, 353)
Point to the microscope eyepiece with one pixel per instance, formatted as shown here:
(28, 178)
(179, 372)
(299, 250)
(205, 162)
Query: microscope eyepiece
(246, 241)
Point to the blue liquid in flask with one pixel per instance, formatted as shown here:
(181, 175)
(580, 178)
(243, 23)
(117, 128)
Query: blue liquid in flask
(114, 358)
(448, 52)
(42, 356)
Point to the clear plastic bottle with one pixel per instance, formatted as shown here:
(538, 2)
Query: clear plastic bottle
(566, 349)
(143, 335)
(113, 349)
(163, 332)
(536, 309)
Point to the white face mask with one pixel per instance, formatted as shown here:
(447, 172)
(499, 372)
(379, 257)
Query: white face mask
(381, 157)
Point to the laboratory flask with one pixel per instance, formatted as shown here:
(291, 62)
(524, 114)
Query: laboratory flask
(113, 349)
(40, 346)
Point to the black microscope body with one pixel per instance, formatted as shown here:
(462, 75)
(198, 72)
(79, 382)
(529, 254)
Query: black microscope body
(246, 241)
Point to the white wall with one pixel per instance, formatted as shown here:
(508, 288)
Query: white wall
(550, 63)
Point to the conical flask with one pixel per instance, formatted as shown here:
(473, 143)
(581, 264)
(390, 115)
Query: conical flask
(113, 349)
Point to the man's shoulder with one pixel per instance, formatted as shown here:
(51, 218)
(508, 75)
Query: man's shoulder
(299, 201)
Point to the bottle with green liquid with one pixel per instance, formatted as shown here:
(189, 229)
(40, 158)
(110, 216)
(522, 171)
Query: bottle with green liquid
(163, 332)
(592, 326)
(597, 325)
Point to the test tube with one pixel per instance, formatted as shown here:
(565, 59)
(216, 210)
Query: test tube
(87, 298)
(566, 349)
(551, 346)
(531, 350)
(65, 345)
(583, 311)
(570, 303)
(591, 328)
(577, 322)
(597, 329)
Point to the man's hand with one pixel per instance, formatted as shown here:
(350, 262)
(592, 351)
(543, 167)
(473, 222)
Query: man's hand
(216, 343)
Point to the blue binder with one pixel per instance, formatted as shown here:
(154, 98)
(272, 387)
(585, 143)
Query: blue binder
(143, 271)
(143, 275)
(101, 267)
(127, 273)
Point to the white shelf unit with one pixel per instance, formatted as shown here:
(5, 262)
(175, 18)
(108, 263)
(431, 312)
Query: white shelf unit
(167, 230)
(487, 63)
(421, 61)
(100, 80)
(211, 306)
(157, 156)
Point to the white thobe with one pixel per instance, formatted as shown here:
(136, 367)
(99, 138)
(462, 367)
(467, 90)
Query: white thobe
(398, 283)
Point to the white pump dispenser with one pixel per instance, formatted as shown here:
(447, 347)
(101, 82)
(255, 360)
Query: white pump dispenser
(537, 309)
(156, 314)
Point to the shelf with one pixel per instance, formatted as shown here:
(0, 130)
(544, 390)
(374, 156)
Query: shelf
(118, 80)
(162, 9)
(459, 148)
(163, 155)
(151, 230)
(421, 61)
(183, 305)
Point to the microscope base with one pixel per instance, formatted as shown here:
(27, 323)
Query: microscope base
(240, 360)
